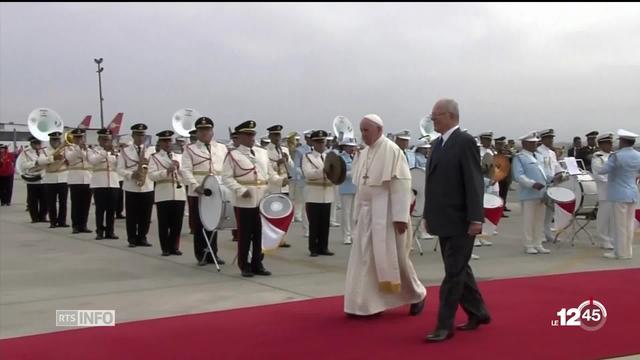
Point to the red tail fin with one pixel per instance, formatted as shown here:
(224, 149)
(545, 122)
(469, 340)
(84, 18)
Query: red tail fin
(84, 124)
(115, 124)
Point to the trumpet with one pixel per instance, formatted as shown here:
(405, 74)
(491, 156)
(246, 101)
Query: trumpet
(175, 173)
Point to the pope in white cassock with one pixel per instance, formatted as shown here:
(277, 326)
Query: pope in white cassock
(380, 275)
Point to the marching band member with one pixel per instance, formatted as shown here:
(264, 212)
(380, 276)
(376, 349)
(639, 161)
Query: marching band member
(120, 206)
(529, 172)
(200, 159)
(623, 169)
(586, 153)
(334, 147)
(55, 178)
(32, 176)
(281, 162)
(504, 184)
(421, 158)
(490, 186)
(402, 140)
(604, 221)
(247, 174)
(133, 167)
(319, 194)
(299, 204)
(547, 158)
(79, 179)
(347, 189)
(169, 194)
(192, 140)
(105, 184)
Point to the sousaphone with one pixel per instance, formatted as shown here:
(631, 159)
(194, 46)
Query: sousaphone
(342, 128)
(427, 130)
(183, 121)
(43, 121)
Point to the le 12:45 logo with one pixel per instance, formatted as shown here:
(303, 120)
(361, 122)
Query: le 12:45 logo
(590, 315)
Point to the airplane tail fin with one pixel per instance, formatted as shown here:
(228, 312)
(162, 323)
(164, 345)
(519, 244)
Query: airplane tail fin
(85, 123)
(115, 124)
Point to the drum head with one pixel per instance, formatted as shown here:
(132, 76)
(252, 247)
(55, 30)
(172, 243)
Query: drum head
(418, 180)
(210, 203)
(561, 195)
(276, 206)
(491, 201)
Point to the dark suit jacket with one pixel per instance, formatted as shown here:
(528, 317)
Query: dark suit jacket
(454, 186)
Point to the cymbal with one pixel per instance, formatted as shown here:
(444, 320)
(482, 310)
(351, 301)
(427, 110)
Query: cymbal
(335, 168)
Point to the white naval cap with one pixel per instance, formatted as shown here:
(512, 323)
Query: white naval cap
(349, 142)
(404, 134)
(375, 118)
(628, 135)
(546, 132)
(605, 136)
(423, 145)
(307, 133)
(486, 134)
(532, 136)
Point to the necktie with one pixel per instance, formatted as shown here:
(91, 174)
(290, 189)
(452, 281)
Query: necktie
(208, 146)
(138, 149)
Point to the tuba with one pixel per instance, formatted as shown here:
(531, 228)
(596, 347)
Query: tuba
(43, 121)
(427, 130)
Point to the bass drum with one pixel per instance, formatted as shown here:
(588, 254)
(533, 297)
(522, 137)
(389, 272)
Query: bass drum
(586, 191)
(216, 209)
(418, 180)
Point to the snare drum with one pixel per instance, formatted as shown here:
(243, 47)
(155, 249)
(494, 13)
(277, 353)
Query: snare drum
(493, 208)
(585, 190)
(276, 212)
(558, 195)
(216, 210)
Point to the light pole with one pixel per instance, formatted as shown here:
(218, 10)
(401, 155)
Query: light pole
(100, 69)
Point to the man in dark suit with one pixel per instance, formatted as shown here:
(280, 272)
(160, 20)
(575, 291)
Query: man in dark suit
(454, 212)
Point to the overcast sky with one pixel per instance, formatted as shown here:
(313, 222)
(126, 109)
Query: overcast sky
(512, 67)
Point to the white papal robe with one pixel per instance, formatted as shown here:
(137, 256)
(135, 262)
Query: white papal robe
(380, 274)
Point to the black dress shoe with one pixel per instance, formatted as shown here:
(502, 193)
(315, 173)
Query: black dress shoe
(112, 236)
(507, 210)
(144, 243)
(313, 254)
(177, 252)
(247, 273)
(86, 231)
(220, 261)
(284, 245)
(263, 272)
(165, 253)
(473, 324)
(132, 245)
(416, 308)
(75, 231)
(120, 216)
(326, 253)
(63, 225)
(99, 237)
(505, 215)
(53, 226)
(439, 335)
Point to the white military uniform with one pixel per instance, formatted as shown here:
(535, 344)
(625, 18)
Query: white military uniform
(198, 162)
(26, 164)
(166, 185)
(55, 172)
(280, 170)
(548, 160)
(78, 167)
(488, 188)
(604, 222)
(128, 163)
(318, 189)
(244, 171)
(105, 174)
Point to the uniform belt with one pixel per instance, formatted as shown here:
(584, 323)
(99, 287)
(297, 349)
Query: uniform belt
(202, 173)
(166, 182)
(78, 168)
(100, 170)
(315, 183)
(54, 171)
(253, 183)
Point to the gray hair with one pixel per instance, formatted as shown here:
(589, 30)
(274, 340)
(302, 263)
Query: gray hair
(451, 106)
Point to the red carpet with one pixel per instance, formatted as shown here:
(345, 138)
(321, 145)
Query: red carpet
(522, 311)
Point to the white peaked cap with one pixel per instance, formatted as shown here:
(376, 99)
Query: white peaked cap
(404, 134)
(486, 134)
(605, 136)
(532, 136)
(624, 134)
(424, 144)
(375, 118)
(349, 141)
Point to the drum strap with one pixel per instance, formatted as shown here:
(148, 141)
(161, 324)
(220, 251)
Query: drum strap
(192, 154)
(247, 171)
(126, 157)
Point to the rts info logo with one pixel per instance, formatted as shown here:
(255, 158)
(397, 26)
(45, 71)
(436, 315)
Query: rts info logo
(590, 315)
